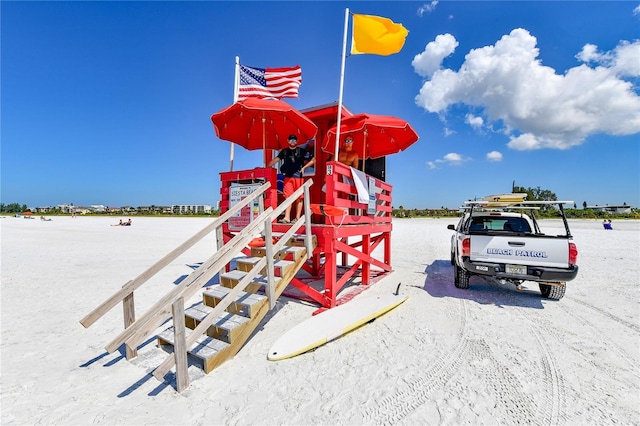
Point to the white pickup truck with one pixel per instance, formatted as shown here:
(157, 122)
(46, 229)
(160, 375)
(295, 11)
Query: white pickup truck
(500, 240)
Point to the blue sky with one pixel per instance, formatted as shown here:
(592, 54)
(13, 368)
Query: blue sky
(110, 102)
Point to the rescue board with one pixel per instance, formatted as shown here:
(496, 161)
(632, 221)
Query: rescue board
(506, 198)
(332, 323)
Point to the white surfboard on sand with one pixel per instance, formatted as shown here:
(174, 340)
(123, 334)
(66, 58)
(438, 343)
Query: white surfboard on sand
(331, 324)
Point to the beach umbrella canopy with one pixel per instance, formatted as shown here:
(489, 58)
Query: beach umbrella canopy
(374, 136)
(255, 123)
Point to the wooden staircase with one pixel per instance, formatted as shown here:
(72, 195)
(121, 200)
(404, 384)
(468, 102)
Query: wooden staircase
(214, 330)
(245, 310)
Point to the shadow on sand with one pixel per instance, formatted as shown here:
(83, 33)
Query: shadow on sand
(485, 291)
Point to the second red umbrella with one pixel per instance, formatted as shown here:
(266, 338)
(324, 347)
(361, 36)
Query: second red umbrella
(374, 136)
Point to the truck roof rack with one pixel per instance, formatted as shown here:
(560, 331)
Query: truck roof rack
(520, 205)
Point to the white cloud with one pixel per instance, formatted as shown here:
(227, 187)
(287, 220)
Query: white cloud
(427, 7)
(589, 53)
(474, 121)
(627, 59)
(451, 159)
(536, 107)
(624, 61)
(430, 61)
(636, 10)
(494, 156)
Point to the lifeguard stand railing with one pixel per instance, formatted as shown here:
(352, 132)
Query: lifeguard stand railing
(352, 250)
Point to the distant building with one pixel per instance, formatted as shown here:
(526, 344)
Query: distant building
(154, 209)
(190, 208)
(66, 208)
(611, 209)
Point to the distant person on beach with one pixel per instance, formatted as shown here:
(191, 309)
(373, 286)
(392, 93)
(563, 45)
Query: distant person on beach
(121, 223)
(294, 161)
(607, 224)
(347, 155)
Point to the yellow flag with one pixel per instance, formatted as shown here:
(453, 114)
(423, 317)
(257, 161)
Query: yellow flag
(376, 35)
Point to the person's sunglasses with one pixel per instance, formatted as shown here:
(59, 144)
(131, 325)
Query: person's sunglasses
(348, 141)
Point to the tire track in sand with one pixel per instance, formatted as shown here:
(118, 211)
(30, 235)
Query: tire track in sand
(514, 406)
(553, 407)
(395, 407)
(622, 321)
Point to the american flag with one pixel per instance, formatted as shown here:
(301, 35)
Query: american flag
(269, 82)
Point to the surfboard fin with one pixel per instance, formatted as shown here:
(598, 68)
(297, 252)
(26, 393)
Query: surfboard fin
(398, 289)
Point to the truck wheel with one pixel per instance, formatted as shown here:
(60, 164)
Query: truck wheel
(462, 278)
(554, 292)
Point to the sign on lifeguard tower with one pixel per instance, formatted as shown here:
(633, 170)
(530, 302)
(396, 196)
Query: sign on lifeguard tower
(249, 212)
(371, 206)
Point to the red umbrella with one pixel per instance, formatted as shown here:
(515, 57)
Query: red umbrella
(374, 136)
(27, 213)
(262, 124)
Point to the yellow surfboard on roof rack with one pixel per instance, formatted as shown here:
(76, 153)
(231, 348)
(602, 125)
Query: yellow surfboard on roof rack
(499, 200)
(503, 200)
(506, 198)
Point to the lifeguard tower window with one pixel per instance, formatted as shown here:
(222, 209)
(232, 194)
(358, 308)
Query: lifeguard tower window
(375, 167)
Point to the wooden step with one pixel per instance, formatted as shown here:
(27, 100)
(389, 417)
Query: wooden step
(300, 239)
(204, 351)
(245, 264)
(225, 327)
(232, 278)
(288, 252)
(246, 304)
(262, 252)
(293, 253)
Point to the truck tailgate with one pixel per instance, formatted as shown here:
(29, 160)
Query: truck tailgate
(539, 251)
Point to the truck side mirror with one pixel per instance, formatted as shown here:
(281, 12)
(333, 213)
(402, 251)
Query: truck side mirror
(452, 227)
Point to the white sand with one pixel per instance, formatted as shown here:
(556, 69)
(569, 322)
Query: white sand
(487, 355)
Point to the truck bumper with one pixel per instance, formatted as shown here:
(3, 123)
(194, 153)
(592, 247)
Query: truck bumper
(534, 273)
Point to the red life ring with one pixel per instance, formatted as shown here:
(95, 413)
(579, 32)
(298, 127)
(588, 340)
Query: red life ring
(328, 210)
(260, 242)
(257, 242)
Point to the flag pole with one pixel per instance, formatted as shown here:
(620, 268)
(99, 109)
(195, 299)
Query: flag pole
(236, 89)
(344, 55)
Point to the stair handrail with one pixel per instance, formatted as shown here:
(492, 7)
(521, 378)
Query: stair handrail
(137, 330)
(137, 282)
(161, 311)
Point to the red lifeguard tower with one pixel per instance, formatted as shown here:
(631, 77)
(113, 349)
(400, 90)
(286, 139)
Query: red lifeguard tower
(356, 235)
(358, 243)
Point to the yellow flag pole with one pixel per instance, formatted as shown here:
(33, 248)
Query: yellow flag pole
(344, 55)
